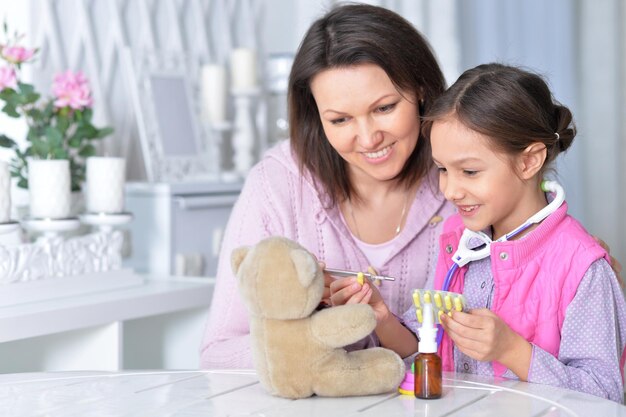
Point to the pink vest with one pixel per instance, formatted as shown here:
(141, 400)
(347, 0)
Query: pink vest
(535, 278)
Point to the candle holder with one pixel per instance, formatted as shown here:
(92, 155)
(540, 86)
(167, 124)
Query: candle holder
(53, 255)
(51, 228)
(221, 135)
(55, 266)
(244, 130)
(105, 222)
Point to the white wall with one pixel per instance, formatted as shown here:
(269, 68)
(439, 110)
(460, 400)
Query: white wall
(579, 46)
(601, 118)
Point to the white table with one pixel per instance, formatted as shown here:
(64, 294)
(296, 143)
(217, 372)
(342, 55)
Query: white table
(238, 393)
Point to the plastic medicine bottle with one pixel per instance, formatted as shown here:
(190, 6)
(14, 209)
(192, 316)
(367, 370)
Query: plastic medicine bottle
(428, 383)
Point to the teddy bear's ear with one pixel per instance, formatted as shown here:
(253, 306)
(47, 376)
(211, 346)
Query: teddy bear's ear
(237, 256)
(306, 266)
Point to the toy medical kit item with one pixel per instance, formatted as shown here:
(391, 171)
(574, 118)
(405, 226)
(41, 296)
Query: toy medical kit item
(407, 386)
(342, 273)
(428, 381)
(442, 302)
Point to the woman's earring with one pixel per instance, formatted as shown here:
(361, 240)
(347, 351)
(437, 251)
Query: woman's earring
(421, 107)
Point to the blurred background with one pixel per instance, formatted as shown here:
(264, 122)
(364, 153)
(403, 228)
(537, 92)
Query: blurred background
(578, 45)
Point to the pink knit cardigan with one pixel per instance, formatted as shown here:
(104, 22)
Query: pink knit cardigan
(277, 200)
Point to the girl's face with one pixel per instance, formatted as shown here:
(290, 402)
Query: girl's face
(368, 122)
(484, 185)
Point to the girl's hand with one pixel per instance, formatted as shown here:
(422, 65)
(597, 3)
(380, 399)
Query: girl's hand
(484, 336)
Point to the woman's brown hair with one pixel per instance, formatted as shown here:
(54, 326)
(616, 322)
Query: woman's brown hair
(512, 107)
(349, 35)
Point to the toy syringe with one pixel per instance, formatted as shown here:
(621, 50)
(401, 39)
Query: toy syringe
(342, 273)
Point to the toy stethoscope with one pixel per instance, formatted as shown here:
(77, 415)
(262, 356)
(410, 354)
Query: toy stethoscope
(464, 254)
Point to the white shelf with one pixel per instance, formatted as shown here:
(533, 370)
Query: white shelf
(43, 290)
(157, 324)
(155, 296)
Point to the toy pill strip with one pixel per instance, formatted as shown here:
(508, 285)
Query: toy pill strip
(360, 275)
(443, 303)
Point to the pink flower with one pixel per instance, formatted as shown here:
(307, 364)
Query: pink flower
(71, 90)
(7, 78)
(17, 54)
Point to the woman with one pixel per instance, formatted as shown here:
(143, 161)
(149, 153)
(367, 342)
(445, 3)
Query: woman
(354, 185)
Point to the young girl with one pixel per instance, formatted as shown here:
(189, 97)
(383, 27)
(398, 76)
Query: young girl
(545, 305)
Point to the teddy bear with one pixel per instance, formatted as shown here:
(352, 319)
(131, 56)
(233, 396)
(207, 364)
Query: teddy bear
(297, 348)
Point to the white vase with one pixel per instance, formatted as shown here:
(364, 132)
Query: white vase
(49, 187)
(5, 193)
(105, 184)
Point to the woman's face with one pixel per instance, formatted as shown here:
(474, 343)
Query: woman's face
(368, 122)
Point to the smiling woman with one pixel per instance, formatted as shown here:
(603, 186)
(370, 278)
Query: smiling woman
(354, 184)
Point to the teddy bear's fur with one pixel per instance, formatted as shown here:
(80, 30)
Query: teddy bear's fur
(298, 351)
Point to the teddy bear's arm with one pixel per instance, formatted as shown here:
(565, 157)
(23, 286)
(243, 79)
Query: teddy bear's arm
(339, 326)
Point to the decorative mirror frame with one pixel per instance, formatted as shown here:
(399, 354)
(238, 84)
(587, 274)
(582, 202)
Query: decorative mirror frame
(140, 67)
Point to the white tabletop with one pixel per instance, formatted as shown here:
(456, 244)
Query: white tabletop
(238, 393)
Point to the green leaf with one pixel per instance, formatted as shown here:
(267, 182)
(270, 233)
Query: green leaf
(87, 151)
(10, 110)
(7, 142)
(25, 89)
(60, 153)
(30, 98)
(40, 148)
(7, 94)
(105, 131)
(62, 123)
(33, 134)
(34, 113)
(23, 183)
(55, 138)
(75, 142)
(91, 131)
(48, 110)
(87, 114)
(86, 131)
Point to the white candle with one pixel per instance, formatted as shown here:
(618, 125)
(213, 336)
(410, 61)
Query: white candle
(49, 187)
(5, 193)
(214, 93)
(105, 184)
(243, 69)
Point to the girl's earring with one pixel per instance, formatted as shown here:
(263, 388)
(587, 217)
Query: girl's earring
(421, 107)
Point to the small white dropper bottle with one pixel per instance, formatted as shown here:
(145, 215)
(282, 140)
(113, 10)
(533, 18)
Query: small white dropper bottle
(427, 363)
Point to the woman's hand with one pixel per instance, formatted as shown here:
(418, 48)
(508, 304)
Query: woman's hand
(350, 291)
(484, 336)
(327, 281)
